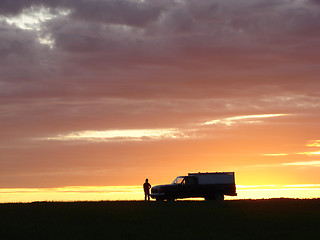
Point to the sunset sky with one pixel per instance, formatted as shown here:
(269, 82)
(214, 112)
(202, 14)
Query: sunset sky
(97, 95)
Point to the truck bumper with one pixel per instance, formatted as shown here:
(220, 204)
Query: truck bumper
(155, 195)
(232, 194)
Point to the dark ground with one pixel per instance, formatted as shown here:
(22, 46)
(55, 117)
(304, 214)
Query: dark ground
(239, 219)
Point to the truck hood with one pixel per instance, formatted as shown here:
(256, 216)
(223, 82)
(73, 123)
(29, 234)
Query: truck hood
(159, 186)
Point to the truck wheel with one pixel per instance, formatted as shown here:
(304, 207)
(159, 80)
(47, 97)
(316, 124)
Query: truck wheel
(159, 199)
(215, 197)
(211, 198)
(219, 196)
(170, 199)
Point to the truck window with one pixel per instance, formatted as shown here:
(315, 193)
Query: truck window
(178, 180)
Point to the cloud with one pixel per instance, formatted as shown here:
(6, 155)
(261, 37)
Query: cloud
(122, 12)
(135, 13)
(192, 130)
(120, 135)
(287, 164)
(242, 119)
(164, 45)
(306, 163)
(314, 143)
(302, 186)
(275, 154)
(311, 143)
(310, 153)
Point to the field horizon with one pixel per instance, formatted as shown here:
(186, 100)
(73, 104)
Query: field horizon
(280, 218)
(153, 200)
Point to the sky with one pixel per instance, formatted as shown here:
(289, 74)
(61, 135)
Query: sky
(105, 93)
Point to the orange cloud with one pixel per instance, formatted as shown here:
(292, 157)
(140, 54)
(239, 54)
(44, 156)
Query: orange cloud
(150, 134)
(309, 163)
(122, 135)
(242, 119)
(314, 143)
(310, 153)
(275, 154)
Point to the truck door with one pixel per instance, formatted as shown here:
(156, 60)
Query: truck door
(189, 187)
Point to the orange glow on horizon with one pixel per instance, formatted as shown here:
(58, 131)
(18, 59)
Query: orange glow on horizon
(114, 193)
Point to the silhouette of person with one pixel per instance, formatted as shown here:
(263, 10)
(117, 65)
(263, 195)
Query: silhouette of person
(146, 188)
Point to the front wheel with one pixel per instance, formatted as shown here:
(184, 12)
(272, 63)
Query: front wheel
(170, 199)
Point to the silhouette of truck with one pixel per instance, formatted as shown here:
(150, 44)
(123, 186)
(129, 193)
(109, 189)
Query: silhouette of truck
(211, 186)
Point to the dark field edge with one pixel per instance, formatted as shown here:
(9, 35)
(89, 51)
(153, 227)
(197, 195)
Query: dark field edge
(279, 218)
(178, 200)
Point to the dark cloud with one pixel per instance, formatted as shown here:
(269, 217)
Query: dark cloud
(216, 44)
(315, 1)
(8, 7)
(212, 30)
(205, 46)
(124, 12)
(22, 57)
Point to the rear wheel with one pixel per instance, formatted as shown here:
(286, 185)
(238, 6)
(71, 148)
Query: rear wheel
(217, 196)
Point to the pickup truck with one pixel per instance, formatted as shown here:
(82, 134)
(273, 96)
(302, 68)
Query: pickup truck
(211, 186)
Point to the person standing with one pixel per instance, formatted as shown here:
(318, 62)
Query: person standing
(146, 188)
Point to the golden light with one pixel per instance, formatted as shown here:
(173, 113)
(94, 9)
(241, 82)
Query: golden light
(72, 193)
(114, 193)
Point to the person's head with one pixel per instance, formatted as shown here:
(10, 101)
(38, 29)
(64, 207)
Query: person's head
(147, 180)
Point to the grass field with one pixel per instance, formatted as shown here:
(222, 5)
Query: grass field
(239, 219)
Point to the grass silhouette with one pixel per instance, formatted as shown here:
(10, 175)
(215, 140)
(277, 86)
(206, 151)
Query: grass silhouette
(237, 219)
